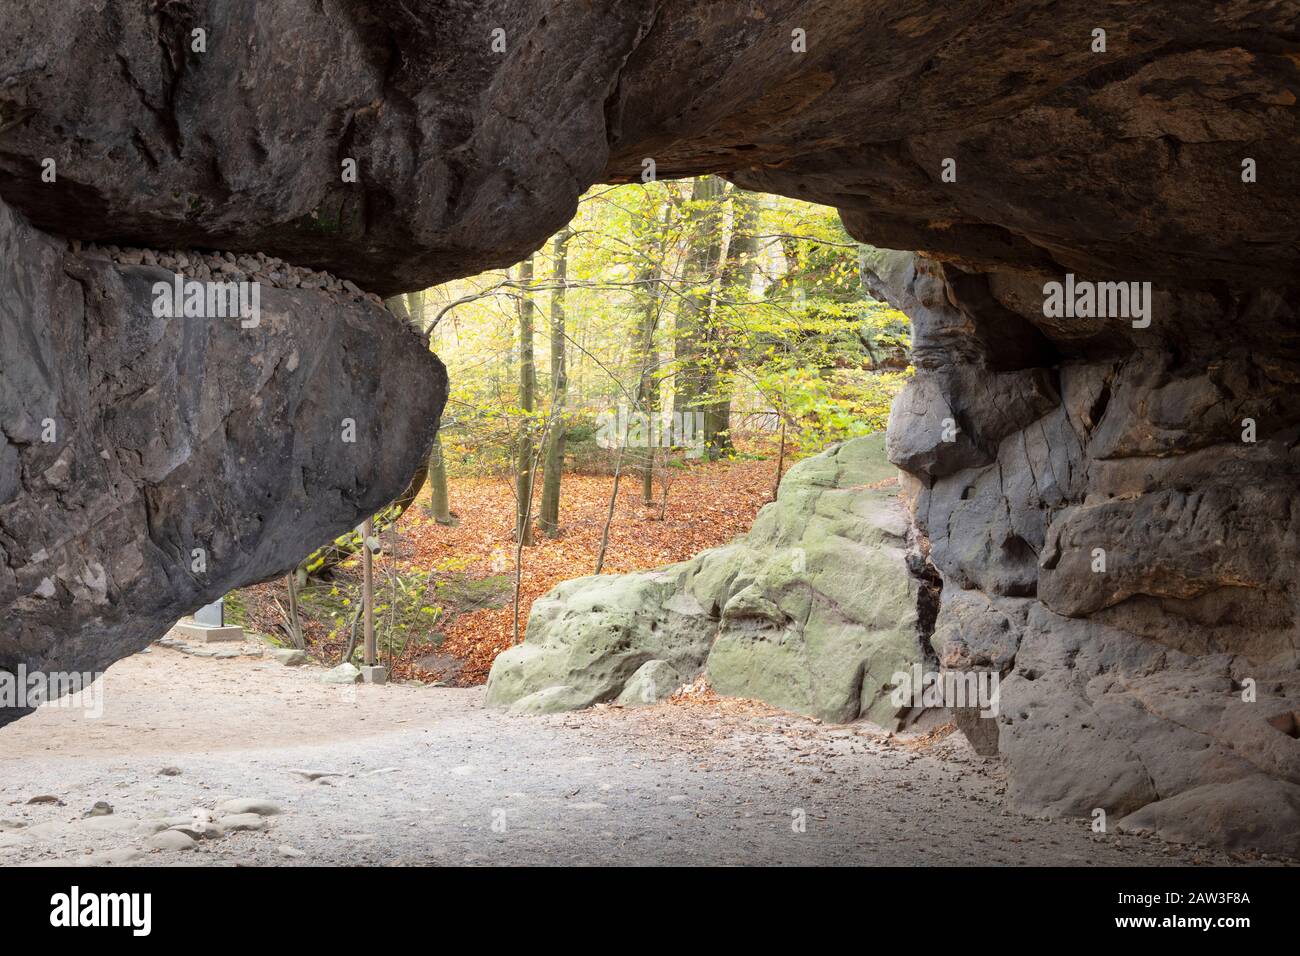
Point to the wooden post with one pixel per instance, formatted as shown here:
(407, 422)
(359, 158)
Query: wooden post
(368, 590)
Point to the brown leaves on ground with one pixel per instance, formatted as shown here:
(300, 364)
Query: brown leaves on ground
(709, 503)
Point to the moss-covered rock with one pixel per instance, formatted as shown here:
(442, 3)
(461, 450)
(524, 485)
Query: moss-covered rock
(813, 611)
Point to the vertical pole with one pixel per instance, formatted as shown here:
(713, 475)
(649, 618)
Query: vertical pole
(368, 589)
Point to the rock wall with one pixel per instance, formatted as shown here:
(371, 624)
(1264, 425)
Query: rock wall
(814, 611)
(1115, 515)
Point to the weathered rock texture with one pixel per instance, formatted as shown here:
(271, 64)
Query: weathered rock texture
(1122, 164)
(1115, 514)
(815, 610)
(148, 465)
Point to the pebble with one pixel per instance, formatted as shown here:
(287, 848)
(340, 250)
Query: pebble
(317, 774)
(264, 808)
(236, 822)
(118, 856)
(290, 657)
(198, 831)
(170, 840)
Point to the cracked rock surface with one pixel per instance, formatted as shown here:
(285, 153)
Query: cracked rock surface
(149, 465)
(1115, 548)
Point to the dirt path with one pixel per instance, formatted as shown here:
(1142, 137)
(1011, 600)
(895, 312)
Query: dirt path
(427, 776)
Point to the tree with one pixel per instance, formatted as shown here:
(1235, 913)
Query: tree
(649, 276)
(693, 378)
(548, 518)
(439, 500)
(736, 276)
(528, 405)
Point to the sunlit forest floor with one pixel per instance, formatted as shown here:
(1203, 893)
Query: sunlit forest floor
(445, 595)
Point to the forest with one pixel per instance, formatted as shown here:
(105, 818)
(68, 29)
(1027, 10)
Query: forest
(626, 396)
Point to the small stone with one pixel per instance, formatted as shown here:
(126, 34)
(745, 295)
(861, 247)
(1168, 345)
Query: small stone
(102, 808)
(236, 822)
(118, 856)
(343, 674)
(170, 771)
(45, 798)
(170, 840)
(291, 852)
(263, 808)
(198, 831)
(290, 657)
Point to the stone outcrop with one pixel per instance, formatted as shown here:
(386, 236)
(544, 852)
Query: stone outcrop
(1014, 146)
(150, 464)
(1117, 529)
(814, 611)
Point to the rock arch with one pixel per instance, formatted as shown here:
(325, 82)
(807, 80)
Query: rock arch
(1167, 159)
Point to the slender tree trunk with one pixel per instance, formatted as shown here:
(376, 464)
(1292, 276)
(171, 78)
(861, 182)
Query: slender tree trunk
(295, 621)
(519, 542)
(439, 501)
(613, 503)
(549, 517)
(528, 403)
(737, 275)
(647, 388)
(780, 463)
(415, 308)
(397, 306)
(693, 379)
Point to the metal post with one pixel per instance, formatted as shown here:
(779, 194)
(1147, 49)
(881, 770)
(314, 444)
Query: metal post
(368, 590)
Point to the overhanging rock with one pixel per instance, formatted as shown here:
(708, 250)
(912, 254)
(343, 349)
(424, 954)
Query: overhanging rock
(150, 464)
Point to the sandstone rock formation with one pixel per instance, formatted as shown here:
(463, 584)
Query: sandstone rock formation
(1117, 527)
(150, 464)
(815, 610)
(473, 146)
(1164, 154)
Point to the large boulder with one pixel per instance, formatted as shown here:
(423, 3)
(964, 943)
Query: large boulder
(814, 611)
(590, 635)
(149, 464)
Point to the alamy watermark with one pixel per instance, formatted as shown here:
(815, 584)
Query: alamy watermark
(1098, 300)
(626, 428)
(72, 690)
(921, 688)
(195, 299)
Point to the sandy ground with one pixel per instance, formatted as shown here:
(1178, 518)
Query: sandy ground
(426, 775)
